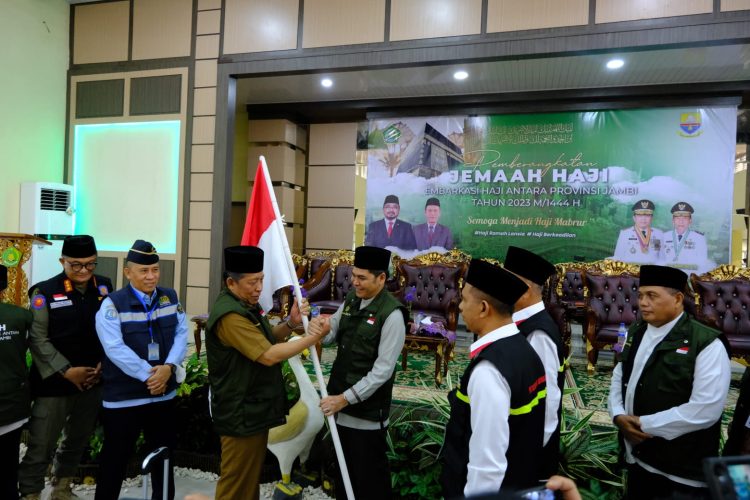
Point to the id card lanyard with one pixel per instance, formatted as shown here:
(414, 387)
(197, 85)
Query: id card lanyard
(153, 347)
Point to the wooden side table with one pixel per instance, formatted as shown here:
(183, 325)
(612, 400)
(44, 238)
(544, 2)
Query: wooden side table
(441, 346)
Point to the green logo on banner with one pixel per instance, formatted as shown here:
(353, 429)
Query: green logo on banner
(11, 257)
(391, 135)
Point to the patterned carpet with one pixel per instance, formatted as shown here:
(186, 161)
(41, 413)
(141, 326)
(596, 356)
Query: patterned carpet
(586, 392)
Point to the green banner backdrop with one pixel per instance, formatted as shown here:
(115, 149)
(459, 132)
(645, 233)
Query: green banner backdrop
(643, 186)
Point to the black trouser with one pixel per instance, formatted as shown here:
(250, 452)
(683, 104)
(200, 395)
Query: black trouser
(367, 462)
(121, 429)
(645, 485)
(9, 444)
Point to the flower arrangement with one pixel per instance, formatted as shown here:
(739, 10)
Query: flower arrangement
(410, 296)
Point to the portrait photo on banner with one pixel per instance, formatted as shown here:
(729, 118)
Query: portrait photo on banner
(637, 185)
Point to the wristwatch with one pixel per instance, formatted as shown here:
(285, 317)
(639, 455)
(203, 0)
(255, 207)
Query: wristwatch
(171, 367)
(62, 370)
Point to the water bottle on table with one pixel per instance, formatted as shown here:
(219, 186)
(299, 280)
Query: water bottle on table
(622, 337)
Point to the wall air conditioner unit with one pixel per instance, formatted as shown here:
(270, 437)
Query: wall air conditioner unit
(47, 211)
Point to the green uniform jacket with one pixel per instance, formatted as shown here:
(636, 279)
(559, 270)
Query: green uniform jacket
(15, 399)
(247, 397)
(358, 338)
(666, 382)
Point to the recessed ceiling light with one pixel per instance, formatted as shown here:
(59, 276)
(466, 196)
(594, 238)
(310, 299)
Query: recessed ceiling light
(615, 63)
(326, 82)
(460, 75)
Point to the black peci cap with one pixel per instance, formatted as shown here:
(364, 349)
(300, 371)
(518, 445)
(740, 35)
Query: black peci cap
(669, 277)
(79, 246)
(495, 281)
(372, 258)
(243, 259)
(528, 265)
(391, 198)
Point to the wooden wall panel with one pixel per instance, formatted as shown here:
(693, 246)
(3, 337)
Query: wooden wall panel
(331, 186)
(333, 144)
(343, 22)
(727, 5)
(512, 15)
(611, 11)
(100, 32)
(415, 19)
(330, 228)
(161, 28)
(260, 25)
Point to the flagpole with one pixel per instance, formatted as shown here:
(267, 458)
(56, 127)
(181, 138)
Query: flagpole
(313, 352)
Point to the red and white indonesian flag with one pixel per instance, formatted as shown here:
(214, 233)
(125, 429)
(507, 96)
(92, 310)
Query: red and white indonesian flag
(264, 230)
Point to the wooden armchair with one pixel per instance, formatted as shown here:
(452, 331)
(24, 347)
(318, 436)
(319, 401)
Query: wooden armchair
(435, 280)
(283, 298)
(722, 301)
(557, 309)
(612, 299)
(571, 289)
(331, 279)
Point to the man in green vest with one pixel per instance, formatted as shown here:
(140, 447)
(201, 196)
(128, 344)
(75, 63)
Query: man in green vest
(247, 388)
(15, 400)
(668, 393)
(370, 328)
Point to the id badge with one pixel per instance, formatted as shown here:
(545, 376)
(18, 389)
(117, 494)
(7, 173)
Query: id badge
(153, 351)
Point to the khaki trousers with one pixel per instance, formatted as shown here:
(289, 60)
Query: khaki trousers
(241, 463)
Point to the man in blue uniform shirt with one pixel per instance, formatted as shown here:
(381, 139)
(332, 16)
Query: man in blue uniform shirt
(66, 368)
(143, 330)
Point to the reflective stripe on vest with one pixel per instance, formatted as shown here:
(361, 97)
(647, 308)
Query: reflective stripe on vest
(159, 312)
(513, 411)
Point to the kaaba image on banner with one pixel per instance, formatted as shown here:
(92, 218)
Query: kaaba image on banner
(430, 154)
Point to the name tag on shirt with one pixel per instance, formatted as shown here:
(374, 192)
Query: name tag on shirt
(63, 303)
(153, 351)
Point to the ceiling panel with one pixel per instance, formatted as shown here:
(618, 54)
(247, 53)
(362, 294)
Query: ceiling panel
(725, 63)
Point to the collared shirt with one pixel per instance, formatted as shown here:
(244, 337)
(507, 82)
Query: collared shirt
(710, 386)
(489, 397)
(110, 335)
(547, 351)
(392, 337)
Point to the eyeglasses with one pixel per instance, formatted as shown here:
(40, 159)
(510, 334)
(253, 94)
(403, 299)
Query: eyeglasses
(77, 266)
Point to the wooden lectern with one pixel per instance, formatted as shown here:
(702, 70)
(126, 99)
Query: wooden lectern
(15, 250)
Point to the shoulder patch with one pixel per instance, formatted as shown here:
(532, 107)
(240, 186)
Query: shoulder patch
(38, 302)
(179, 308)
(110, 314)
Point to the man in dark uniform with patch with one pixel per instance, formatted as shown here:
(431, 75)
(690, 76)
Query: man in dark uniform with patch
(542, 333)
(143, 331)
(495, 433)
(15, 401)
(66, 368)
(668, 392)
